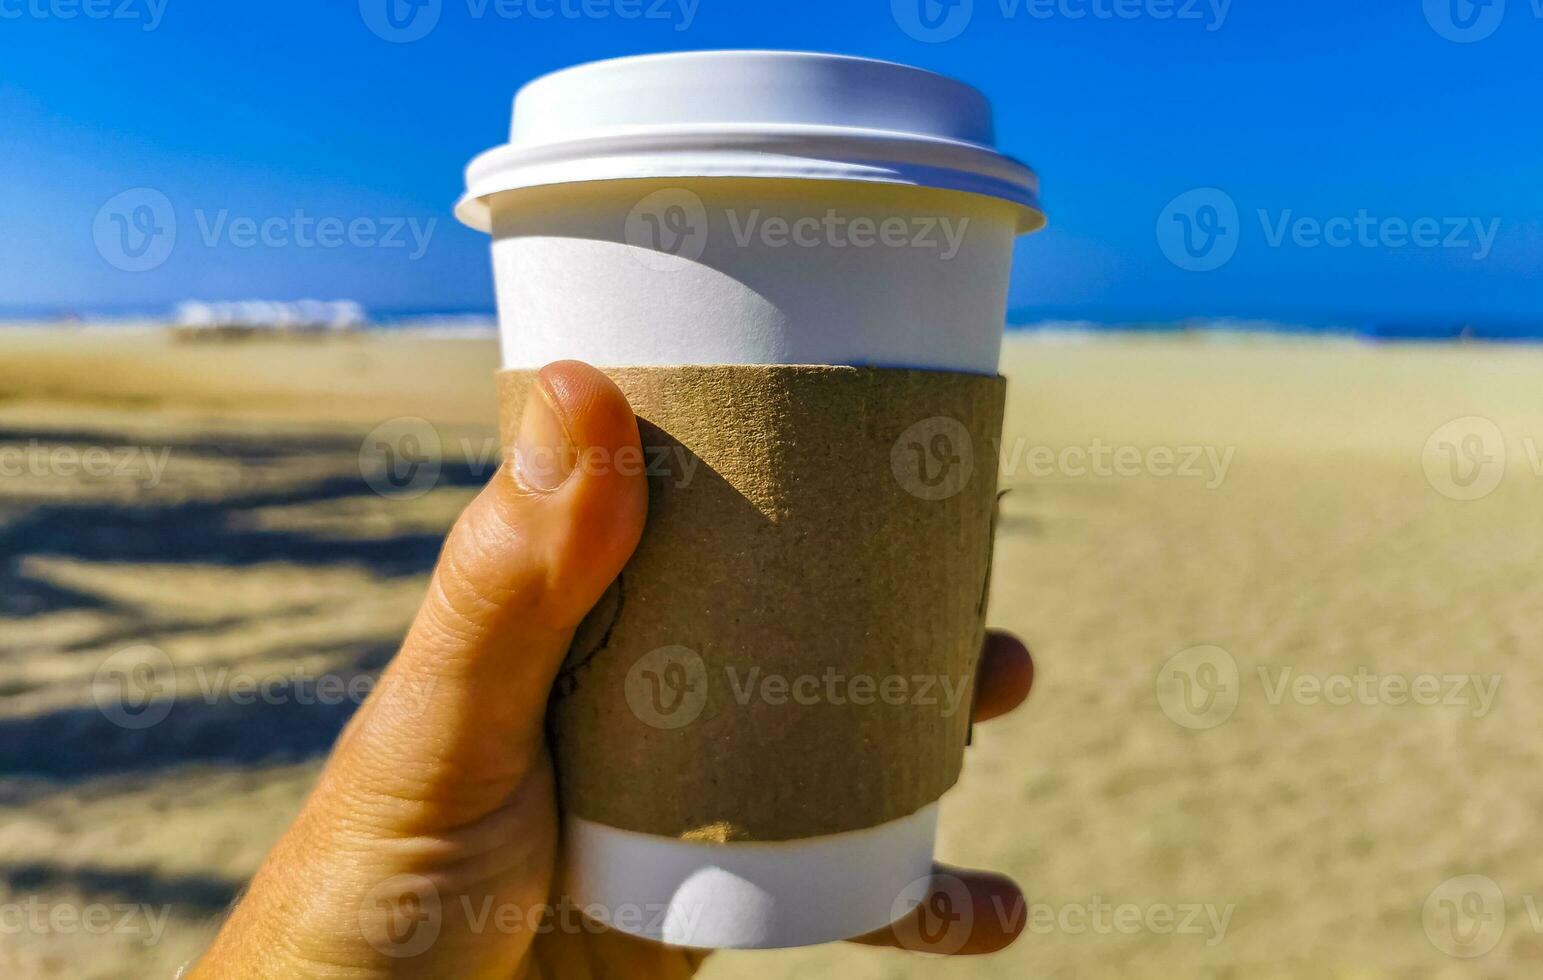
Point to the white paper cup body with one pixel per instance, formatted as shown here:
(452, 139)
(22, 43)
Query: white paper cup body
(725, 271)
(751, 895)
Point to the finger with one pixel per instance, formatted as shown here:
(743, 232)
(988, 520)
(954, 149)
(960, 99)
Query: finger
(1004, 678)
(456, 718)
(964, 913)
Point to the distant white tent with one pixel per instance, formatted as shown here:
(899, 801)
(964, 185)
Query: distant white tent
(194, 317)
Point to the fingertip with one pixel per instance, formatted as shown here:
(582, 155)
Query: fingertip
(965, 913)
(1000, 912)
(592, 406)
(1005, 677)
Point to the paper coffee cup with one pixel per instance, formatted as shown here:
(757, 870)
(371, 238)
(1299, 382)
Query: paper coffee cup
(796, 266)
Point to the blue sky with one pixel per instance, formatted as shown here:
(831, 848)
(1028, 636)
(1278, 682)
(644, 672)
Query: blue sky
(1373, 123)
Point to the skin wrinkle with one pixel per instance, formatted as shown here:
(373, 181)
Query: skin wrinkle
(414, 799)
(487, 605)
(470, 633)
(485, 836)
(435, 627)
(438, 650)
(444, 615)
(384, 785)
(400, 810)
(487, 536)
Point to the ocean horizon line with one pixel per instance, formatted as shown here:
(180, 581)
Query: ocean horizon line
(475, 321)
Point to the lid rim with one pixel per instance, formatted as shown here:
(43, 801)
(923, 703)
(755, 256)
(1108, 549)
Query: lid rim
(763, 54)
(830, 145)
(474, 210)
(688, 116)
(748, 132)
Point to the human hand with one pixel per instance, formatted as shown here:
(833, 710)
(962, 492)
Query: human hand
(436, 813)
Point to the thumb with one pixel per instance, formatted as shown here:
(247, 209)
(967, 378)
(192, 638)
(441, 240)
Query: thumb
(441, 771)
(457, 719)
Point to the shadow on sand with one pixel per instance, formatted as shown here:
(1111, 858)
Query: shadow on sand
(290, 720)
(200, 531)
(192, 896)
(271, 718)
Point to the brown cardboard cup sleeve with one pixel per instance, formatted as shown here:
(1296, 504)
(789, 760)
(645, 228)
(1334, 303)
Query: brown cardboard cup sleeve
(791, 650)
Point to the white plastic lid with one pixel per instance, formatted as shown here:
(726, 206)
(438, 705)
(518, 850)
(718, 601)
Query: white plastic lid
(777, 114)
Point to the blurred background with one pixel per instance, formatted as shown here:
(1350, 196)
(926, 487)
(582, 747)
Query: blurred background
(1274, 454)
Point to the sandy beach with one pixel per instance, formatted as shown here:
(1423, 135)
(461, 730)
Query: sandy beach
(1285, 597)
